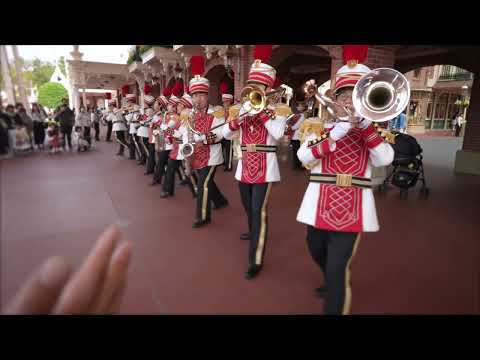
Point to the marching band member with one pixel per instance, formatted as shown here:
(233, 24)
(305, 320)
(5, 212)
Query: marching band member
(338, 204)
(133, 113)
(119, 127)
(175, 134)
(227, 148)
(292, 130)
(258, 168)
(143, 133)
(159, 107)
(207, 154)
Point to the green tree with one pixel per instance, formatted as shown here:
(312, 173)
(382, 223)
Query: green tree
(51, 94)
(61, 64)
(38, 72)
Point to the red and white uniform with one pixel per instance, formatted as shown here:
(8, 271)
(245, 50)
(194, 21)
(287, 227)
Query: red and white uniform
(257, 167)
(345, 209)
(207, 155)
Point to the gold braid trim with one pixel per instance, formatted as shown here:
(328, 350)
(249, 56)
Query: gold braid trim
(218, 112)
(233, 111)
(184, 115)
(385, 134)
(283, 110)
(311, 126)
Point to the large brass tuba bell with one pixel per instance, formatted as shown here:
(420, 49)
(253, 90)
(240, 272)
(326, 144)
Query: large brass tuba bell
(381, 95)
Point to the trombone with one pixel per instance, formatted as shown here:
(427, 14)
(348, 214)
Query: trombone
(254, 99)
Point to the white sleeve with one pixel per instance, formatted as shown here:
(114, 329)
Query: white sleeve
(228, 133)
(304, 153)
(381, 155)
(163, 126)
(218, 131)
(276, 127)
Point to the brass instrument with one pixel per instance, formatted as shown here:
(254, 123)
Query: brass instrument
(254, 99)
(379, 96)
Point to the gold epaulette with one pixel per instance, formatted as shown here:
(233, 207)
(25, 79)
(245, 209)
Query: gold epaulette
(218, 112)
(311, 126)
(234, 110)
(283, 110)
(385, 134)
(184, 115)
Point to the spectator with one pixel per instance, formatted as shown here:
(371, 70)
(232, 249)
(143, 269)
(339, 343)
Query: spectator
(95, 119)
(65, 116)
(458, 124)
(38, 116)
(83, 120)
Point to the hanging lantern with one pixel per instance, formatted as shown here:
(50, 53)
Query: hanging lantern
(125, 89)
(108, 96)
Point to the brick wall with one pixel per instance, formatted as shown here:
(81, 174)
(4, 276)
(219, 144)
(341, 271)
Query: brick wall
(471, 140)
(380, 57)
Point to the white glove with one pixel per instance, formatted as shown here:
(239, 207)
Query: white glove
(340, 130)
(364, 123)
(163, 126)
(199, 138)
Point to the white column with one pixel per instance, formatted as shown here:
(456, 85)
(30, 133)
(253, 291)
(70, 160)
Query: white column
(19, 78)
(84, 97)
(7, 79)
(141, 85)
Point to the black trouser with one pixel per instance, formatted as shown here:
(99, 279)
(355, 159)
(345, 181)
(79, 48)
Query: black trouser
(96, 124)
(255, 201)
(67, 136)
(207, 192)
(162, 160)
(150, 150)
(39, 133)
(109, 130)
(121, 138)
(143, 151)
(333, 252)
(131, 146)
(169, 183)
(151, 158)
(227, 154)
(86, 134)
(297, 164)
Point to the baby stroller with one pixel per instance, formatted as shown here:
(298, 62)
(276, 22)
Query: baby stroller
(407, 166)
(21, 141)
(83, 140)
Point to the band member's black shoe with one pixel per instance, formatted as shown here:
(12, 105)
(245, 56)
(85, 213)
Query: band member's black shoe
(321, 291)
(199, 223)
(164, 194)
(119, 154)
(183, 182)
(221, 205)
(141, 162)
(253, 271)
(153, 183)
(246, 236)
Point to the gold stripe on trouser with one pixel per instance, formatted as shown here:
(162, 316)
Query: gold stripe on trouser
(231, 155)
(348, 290)
(182, 173)
(205, 193)
(263, 228)
(140, 138)
(194, 183)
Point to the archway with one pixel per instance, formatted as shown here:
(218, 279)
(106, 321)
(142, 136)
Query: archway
(216, 75)
(295, 64)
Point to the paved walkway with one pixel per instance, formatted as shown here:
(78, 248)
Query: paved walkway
(425, 259)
